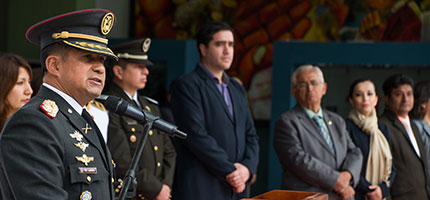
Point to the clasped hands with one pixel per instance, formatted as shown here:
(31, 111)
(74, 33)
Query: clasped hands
(238, 178)
(342, 186)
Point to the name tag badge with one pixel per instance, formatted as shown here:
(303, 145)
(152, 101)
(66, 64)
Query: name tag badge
(131, 121)
(87, 170)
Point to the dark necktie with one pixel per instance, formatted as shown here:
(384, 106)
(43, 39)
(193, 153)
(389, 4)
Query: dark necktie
(93, 125)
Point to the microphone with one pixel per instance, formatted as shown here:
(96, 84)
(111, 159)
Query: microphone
(121, 107)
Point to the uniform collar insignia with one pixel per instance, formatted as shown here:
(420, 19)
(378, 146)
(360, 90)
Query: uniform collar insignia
(76, 135)
(86, 128)
(82, 145)
(50, 108)
(84, 159)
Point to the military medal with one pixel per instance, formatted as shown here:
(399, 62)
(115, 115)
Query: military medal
(86, 195)
(84, 159)
(82, 145)
(50, 108)
(76, 135)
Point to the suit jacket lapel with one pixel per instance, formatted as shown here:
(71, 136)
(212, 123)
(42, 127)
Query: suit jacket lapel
(75, 119)
(214, 90)
(398, 124)
(311, 126)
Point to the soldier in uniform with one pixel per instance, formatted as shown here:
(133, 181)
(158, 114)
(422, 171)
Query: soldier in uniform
(51, 148)
(155, 171)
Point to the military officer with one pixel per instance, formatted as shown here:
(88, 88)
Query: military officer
(155, 170)
(51, 147)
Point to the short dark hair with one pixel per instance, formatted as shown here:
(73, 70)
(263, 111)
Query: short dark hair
(57, 49)
(205, 33)
(421, 95)
(395, 81)
(355, 83)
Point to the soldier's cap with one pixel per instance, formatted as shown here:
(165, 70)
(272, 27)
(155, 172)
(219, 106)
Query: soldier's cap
(134, 51)
(85, 30)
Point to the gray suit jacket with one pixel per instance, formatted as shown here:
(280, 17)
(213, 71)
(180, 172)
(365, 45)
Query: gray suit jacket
(307, 161)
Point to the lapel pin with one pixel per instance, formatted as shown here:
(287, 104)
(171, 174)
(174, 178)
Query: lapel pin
(86, 128)
(84, 159)
(76, 135)
(81, 145)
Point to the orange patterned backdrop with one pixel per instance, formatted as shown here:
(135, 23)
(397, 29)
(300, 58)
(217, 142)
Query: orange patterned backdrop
(258, 23)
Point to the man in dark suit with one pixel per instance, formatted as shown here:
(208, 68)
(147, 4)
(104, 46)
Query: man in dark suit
(51, 147)
(313, 144)
(156, 167)
(411, 181)
(220, 154)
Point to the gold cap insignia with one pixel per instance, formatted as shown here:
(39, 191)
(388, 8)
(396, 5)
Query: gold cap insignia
(86, 195)
(82, 145)
(76, 135)
(50, 108)
(107, 23)
(146, 44)
(84, 159)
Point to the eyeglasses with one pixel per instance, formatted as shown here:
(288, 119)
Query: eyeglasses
(312, 83)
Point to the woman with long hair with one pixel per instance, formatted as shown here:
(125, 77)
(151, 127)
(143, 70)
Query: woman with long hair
(15, 89)
(372, 138)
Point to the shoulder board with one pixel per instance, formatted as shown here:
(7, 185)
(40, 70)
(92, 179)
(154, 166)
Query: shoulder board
(98, 104)
(151, 100)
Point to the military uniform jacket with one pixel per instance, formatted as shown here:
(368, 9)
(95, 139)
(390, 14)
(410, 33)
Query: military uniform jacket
(51, 157)
(157, 163)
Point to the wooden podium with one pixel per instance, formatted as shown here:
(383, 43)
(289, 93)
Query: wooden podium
(290, 195)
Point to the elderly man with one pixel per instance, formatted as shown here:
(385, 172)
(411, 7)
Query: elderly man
(409, 157)
(312, 144)
(51, 147)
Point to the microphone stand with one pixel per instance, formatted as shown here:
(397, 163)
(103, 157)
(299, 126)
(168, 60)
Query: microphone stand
(131, 173)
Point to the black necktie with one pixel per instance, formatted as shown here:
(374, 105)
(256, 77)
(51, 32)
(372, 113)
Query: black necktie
(137, 104)
(93, 125)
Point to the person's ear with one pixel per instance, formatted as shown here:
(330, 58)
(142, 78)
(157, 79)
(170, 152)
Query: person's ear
(202, 48)
(118, 72)
(53, 64)
(350, 101)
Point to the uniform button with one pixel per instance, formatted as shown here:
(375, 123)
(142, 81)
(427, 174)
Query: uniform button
(139, 195)
(132, 138)
(147, 108)
(69, 110)
(133, 130)
(89, 178)
(113, 180)
(150, 132)
(155, 148)
(116, 190)
(158, 164)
